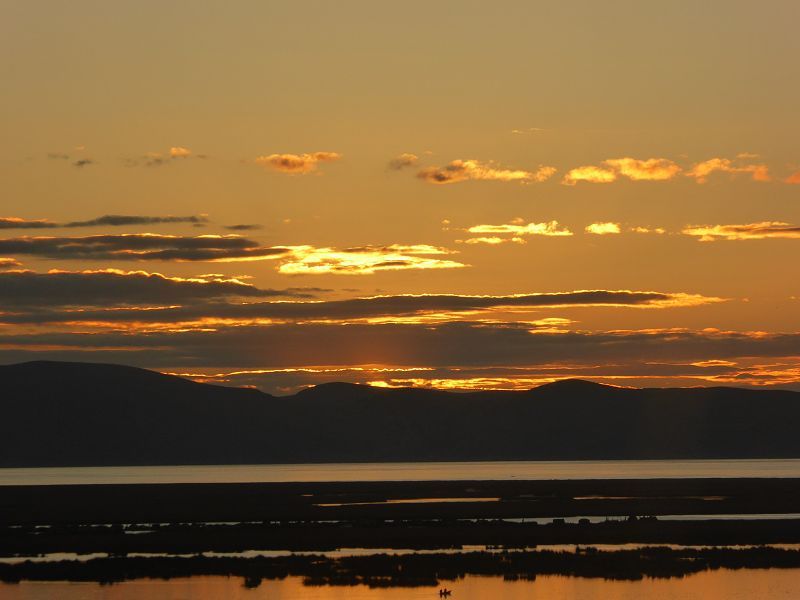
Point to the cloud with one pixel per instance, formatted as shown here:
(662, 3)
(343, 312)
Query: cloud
(243, 227)
(589, 173)
(492, 240)
(470, 169)
(105, 220)
(518, 227)
(403, 160)
(651, 169)
(179, 152)
(120, 220)
(83, 162)
(9, 263)
(447, 348)
(658, 230)
(404, 308)
(158, 159)
(602, 228)
(112, 287)
(142, 247)
(151, 159)
(749, 231)
(17, 223)
(294, 260)
(793, 179)
(364, 260)
(743, 371)
(527, 130)
(297, 164)
(700, 171)
(57, 156)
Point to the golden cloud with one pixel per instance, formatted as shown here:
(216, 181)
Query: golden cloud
(297, 164)
(364, 260)
(603, 228)
(658, 230)
(700, 171)
(492, 241)
(9, 263)
(406, 159)
(471, 169)
(517, 227)
(18, 223)
(179, 152)
(527, 130)
(589, 173)
(139, 301)
(651, 169)
(749, 231)
(794, 178)
(743, 371)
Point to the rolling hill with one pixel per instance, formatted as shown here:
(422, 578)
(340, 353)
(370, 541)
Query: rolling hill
(82, 414)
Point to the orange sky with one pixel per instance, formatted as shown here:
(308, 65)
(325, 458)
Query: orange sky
(456, 194)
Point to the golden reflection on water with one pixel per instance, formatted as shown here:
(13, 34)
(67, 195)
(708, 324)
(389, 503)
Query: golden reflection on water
(757, 584)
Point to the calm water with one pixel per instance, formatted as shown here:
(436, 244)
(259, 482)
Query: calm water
(449, 471)
(771, 584)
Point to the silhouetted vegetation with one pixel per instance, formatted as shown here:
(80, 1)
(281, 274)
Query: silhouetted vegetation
(233, 518)
(413, 570)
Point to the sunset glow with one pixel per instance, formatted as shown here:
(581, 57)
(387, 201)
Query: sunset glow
(276, 195)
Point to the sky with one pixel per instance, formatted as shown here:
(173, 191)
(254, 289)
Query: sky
(464, 195)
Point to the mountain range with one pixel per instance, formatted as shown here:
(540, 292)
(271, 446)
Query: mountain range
(86, 414)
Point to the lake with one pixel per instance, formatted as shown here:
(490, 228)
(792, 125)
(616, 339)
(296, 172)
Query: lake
(425, 471)
(749, 584)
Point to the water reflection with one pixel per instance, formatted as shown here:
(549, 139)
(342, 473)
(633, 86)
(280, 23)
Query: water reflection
(767, 584)
(430, 471)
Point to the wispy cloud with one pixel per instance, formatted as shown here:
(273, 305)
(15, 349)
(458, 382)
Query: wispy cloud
(527, 130)
(113, 287)
(462, 347)
(179, 152)
(142, 247)
(365, 260)
(590, 174)
(121, 220)
(701, 171)
(104, 221)
(187, 302)
(83, 162)
(519, 227)
(793, 179)
(651, 169)
(470, 169)
(297, 164)
(658, 230)
(749, 231)
(403, 160)
(243, 227)
(492, 240)
(17, 223)
(603, 228)
(293, 260)
(158, 159)
(9, 263)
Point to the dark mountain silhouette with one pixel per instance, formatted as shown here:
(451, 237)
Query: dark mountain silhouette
(69, 414)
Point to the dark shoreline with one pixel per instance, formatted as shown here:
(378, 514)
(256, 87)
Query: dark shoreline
(190, 519)
(194, 518)
(414, 570)
(359, 501)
